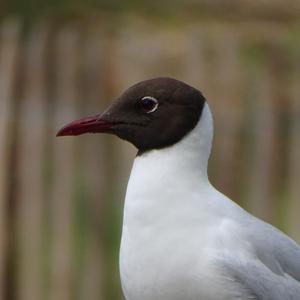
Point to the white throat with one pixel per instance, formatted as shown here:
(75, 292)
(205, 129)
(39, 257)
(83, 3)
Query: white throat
(190, 155)
(167, 188)
(160, 178)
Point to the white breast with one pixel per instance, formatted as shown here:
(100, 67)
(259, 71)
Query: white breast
(173, 220)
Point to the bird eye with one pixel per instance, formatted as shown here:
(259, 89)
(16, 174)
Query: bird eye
(148, 104)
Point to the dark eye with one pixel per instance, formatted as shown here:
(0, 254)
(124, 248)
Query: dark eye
(148, 104)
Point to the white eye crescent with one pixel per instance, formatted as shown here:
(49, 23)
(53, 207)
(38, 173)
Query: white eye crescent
(149, 104)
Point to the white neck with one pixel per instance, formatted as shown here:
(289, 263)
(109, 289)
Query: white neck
(167, 188)
(188, 156)
(160, 178)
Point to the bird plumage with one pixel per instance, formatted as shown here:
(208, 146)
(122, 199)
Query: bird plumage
(182, 239)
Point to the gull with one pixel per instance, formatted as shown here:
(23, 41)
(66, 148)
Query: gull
(182, 239)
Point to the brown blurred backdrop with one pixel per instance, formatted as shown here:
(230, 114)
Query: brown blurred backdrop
(61, 199)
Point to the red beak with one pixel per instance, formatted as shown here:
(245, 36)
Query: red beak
(91, 124)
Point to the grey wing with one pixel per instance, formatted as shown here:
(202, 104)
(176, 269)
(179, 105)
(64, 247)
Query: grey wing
(275, 249)
(274, 272)
(256, 281)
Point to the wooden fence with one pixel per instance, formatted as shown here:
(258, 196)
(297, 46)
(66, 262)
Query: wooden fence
(61, 199)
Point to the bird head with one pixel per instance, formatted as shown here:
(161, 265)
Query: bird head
(151, 114)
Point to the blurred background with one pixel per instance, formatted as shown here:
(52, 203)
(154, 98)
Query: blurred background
(61, 199)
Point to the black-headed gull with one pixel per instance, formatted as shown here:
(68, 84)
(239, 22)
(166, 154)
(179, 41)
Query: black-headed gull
(182, 239)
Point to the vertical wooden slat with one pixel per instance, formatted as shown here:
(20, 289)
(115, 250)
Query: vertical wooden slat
(259, 196)
(294, 159)
(124, 66)
(227, 112)
(93, 267)
(8, 56)
(195, 64)
(32, 133)
(93, 169)
(63, 164)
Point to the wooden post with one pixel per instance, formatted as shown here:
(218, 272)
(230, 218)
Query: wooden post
(227, 112)
(31, 151)
(294, 159)
(93, 169)
(66, 46)
(195, 64)
(259, 196)
(9, 44)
